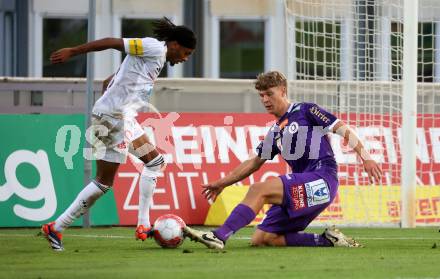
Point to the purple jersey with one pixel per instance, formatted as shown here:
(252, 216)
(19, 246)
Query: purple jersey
(300, 137)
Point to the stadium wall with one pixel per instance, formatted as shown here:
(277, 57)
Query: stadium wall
(66, 95)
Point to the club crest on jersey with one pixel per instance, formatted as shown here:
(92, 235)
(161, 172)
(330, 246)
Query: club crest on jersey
(293, 127)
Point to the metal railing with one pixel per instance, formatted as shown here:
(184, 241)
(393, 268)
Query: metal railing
(67, 95)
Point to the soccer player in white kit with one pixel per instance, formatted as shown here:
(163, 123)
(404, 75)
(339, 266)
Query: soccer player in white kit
(113, 118)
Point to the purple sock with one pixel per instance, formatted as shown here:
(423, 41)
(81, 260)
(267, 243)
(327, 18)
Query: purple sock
(241, 216)
(306, 239)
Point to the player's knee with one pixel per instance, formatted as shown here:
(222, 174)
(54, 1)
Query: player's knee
(155, 166)
(257, 189)
(265, 239)
(257, 240)
(271, 239)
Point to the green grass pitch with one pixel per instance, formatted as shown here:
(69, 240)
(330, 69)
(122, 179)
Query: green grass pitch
(113, 253)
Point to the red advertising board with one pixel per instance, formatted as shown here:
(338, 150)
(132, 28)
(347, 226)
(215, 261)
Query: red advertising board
(202, 147)
(198, 147)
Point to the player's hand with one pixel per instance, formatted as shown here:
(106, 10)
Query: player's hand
(211, 191)
(61, 55)
(373, 170)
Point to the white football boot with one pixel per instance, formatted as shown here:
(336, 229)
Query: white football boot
(207, 238)
(338, 239)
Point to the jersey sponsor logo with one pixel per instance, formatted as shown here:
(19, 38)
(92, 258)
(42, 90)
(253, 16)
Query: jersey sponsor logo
(275, 132)
(279, 143)
(317, 192)
(314, 110)
(299, 196)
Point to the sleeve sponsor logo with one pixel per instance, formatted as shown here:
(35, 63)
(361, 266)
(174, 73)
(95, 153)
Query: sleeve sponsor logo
(315, 111)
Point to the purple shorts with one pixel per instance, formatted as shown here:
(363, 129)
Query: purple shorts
(306, 195)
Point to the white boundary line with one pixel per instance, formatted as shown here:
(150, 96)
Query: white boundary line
(237, 237)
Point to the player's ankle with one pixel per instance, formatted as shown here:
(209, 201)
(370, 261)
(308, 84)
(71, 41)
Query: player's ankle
(220, 238)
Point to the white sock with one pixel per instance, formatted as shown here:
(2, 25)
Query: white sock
(85, 199)
(147, 184)
(146, 190)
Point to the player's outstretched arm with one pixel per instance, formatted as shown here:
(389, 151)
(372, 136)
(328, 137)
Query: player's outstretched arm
(62, 55)
(354, 142)
(212, 190)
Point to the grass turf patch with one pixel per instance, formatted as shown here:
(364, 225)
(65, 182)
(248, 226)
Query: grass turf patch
(113, 253)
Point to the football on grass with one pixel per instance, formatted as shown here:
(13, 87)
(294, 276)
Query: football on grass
(168, 231)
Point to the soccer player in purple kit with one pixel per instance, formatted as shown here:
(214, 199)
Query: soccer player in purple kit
(297, 198)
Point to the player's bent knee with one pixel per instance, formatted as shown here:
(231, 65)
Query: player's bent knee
(266, 239)
(270, 239)
(257, 240)
(260, 191)
(257, 189)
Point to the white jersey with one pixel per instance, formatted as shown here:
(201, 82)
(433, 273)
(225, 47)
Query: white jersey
(130, 89)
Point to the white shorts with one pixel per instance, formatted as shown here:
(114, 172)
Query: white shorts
(112, 137)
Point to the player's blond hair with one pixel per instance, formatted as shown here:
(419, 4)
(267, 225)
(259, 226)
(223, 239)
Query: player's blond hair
(270, 79)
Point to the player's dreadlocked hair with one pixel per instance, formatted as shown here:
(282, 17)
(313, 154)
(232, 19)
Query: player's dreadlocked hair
(270, 79)
(165, 30)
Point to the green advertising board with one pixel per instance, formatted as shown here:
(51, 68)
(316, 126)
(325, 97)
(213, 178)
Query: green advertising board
(42, 170)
